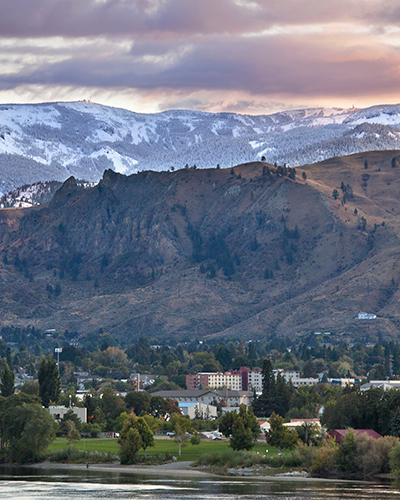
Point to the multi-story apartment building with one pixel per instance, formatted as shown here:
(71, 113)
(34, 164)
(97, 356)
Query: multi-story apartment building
(228, 380)
(234, 380)
(255, 380)
(242, 380)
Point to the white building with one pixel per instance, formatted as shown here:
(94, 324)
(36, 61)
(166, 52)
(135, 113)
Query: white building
(228, 379)
(381, 384)
(198, 410)
(364, 315)
(343, 382)
(294, 377)
(58, 412)
(255, 380)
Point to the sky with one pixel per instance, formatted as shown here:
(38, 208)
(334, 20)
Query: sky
(243, 56)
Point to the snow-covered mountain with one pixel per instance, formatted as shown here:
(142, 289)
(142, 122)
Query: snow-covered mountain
(53, 141)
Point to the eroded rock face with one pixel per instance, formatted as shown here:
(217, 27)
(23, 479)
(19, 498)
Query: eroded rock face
(204, 252)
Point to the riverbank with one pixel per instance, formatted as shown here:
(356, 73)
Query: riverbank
(184, 470)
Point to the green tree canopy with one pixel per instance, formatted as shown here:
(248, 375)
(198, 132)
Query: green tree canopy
(7, 381)
(241, 438)
(135, 434)
(139, 402)
(145, 433)
(49, 382)
(279, 435)
(241, 426)
(27, 428)
(130, 440)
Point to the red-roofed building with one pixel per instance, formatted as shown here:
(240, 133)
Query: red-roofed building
(339, 434)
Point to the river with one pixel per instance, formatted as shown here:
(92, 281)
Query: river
(25, 483)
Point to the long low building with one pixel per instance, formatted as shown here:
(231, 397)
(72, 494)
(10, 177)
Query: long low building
(381, 384)
(208, 396)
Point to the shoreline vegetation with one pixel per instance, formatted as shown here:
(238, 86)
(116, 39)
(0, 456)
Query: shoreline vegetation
(184, 468)
(356, 458)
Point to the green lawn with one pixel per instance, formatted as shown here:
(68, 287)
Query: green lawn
(162, 446)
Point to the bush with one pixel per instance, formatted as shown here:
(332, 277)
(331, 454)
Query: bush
(306, 454)
(81, 457)
(373, 455)
(239, 459)
(324, 460)
(394, 460)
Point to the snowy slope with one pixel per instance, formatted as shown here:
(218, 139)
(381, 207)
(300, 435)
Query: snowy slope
(52, 141)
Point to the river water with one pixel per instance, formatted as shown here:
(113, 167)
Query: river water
(23, 483)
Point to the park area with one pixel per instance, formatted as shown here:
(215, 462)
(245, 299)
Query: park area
(162, 447)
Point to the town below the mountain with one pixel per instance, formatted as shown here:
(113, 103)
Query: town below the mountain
(288, 392)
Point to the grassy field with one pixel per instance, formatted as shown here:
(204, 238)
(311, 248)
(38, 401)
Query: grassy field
(161, 447)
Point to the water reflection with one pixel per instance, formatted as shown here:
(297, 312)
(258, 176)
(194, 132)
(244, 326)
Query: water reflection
(23, 483)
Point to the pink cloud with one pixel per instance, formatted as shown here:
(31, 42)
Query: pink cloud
(261, 49)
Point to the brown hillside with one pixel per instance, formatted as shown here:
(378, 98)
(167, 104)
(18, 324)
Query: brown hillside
(244, 252)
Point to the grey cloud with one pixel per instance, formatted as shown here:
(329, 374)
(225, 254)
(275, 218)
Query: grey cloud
(271, 66)
(180, 47)
(171, 18)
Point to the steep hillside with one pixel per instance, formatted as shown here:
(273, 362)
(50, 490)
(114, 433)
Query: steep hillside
(52, 141)
(216, 252)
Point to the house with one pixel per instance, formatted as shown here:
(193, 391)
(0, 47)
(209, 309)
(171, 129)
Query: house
(58, 412)
(297, 422)
(145, 380)
(339, 434)
(264, 425)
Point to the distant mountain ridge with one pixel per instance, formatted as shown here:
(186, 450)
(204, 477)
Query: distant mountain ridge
(53, 141)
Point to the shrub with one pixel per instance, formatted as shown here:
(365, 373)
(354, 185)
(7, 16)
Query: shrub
(394, 460)
(324, 460)
(81, 457)
(306, 454)
(231, 460)
(346, 456)
(373, 455)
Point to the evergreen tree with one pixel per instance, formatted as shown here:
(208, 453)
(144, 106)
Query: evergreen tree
(7, 381)
(252, 354)
(49, 382)
(242, 427)
(279, 435)
(284, 393)
(266, 403)
(241, 436)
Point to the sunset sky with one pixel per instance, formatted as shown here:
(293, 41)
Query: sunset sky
(246, 56)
